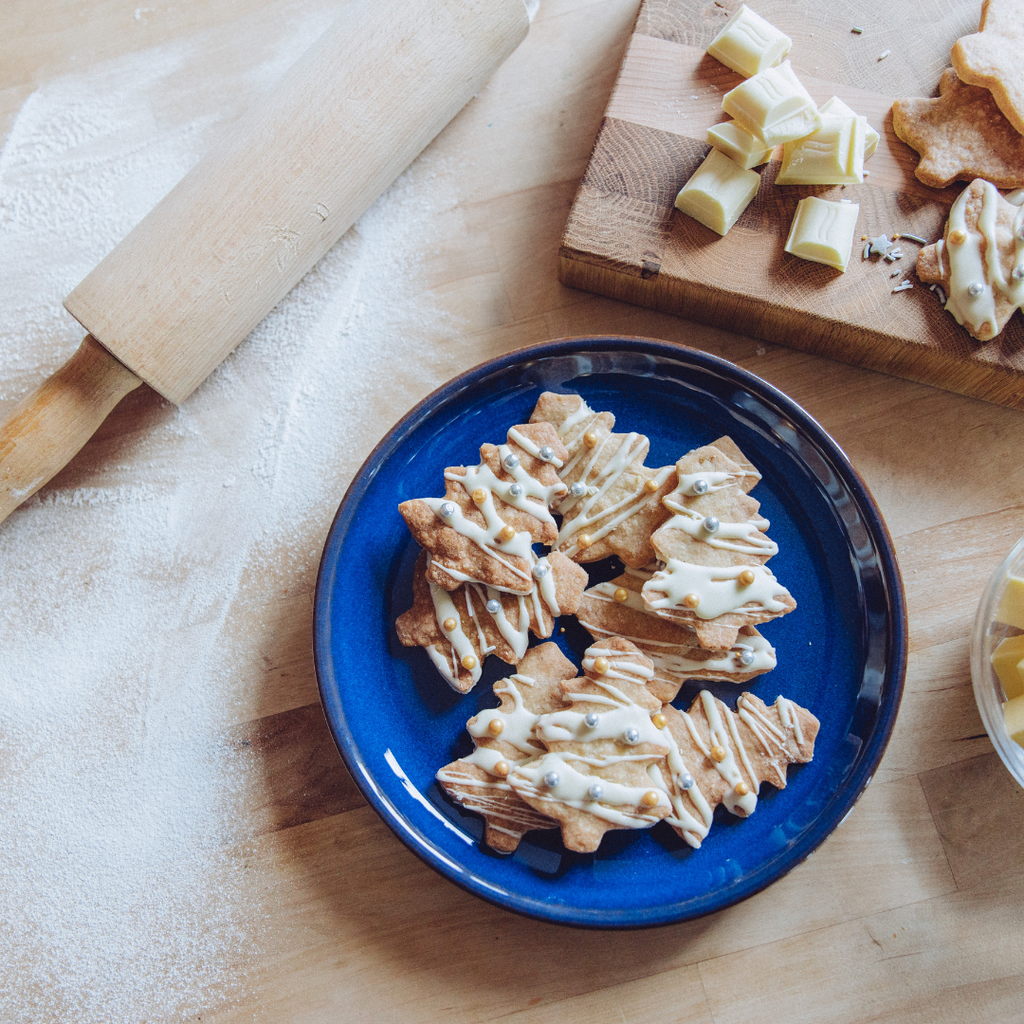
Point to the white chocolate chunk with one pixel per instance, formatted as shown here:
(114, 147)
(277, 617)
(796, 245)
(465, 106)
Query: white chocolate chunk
(773, 105)
(835, 107)
(833, 155)
(718, 192)
(822, 232)
(739, 145)
(749, 44)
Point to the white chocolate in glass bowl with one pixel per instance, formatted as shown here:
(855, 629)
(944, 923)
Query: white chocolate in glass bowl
(822, 231)
(748, 44)
(718, 192)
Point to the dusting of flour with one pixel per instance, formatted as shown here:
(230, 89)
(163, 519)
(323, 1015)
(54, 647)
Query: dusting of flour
(122, 895)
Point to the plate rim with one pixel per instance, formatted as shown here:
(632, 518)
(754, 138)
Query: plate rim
(891, 585)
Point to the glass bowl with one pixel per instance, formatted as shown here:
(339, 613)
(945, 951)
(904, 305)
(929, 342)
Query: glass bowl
(988, 691)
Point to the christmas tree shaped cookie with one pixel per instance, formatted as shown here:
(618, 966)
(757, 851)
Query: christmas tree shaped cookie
(484, 528)
(713, 550)
(613, 503)
(594, 775)
(504, 738)
(617, 608)
(459, 628)
(718, 756)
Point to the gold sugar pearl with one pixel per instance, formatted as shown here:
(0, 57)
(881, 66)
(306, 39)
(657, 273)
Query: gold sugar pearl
(691, 600)
(479, 495)
(621, 595)
(745, 578)
(449, 625)
(957, 236)
(659, 720)
(651, 486)
(601, 665)
(469, 663)
(501, 769)
(584, 540)
(507, 533)
(717, 753)
(590, 439)
(649, 799)
(495, 726)
(742, 789)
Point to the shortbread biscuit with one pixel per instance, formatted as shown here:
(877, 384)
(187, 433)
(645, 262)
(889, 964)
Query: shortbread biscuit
(979, 261)
(713, 550)
(991, 57)
(504, 738)
(960, 135)
(459, 628)
(484, 528)
(617, 608)
(594, 775)
(718, 756)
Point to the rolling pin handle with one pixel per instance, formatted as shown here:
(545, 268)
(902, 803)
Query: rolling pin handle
(46, 429)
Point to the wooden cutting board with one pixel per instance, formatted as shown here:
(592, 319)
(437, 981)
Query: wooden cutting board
(624, 239)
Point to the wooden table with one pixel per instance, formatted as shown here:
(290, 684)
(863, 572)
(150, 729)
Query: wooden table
(910, 911)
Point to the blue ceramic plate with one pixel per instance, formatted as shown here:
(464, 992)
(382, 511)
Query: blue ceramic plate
(841, 653)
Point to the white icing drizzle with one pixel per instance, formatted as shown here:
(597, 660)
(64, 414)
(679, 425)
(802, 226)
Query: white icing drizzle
(583, 412)
(717, 587)
(600, 522)
(969, 266)
(486, 538)
(533, 449)
(621, 805)
(746, 538)
(694, 827)
(621, 665)
(571, 725)
(721, 734)
(542, 597)
(715, 480)
(518, 723)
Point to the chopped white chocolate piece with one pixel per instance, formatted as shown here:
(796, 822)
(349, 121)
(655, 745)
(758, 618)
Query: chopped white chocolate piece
(822, 232)
(738, 144)
(773, 105)
(833, 155)
(718, 192)
(749, 44)
(835, 107)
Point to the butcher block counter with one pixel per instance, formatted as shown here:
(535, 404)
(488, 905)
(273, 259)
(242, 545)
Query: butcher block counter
(179, 837)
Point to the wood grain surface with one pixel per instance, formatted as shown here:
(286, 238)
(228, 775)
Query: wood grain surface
(909, 912)
(625, 239)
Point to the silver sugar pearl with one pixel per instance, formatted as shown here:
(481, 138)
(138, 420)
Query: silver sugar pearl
(700, 486)
(578, 489)
(975, 289)
(1018, 272)
(547, 453)
(493, 606)
(711, 524)
(540, 570)
(510, 461)
(515, 491)
(447, 509)
(686, 781)
(591, 718)
(746, 658)
(596, 791)
(631, 735)
(551, 780)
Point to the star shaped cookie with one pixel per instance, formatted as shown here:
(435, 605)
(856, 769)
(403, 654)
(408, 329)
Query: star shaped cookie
(991, 57)
(960, 135)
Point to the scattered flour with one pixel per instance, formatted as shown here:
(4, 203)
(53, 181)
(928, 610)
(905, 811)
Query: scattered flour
(121, 898)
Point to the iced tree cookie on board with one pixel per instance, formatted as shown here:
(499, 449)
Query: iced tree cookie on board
(503, 738)
(979, 261)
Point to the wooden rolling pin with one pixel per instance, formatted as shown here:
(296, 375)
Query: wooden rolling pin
(240, 229)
